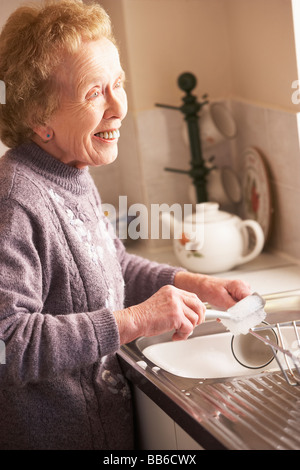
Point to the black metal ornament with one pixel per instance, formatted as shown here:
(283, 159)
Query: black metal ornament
(191, 108)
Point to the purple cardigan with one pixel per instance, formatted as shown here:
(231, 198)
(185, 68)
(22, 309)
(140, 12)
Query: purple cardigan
(62, 274)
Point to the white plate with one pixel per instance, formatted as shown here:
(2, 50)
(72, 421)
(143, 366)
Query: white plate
(257, 204)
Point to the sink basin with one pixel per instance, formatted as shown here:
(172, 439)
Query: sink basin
(208, 356)
(199, 357)
(207, 353)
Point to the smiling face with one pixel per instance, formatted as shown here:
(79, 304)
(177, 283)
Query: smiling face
(85, 129)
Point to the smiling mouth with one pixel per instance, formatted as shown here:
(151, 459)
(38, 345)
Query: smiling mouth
(108, 135)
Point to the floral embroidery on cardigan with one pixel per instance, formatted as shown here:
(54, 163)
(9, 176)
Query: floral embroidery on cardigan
(95, 252)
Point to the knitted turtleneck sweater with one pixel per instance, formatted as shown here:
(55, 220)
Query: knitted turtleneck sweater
(62, 274)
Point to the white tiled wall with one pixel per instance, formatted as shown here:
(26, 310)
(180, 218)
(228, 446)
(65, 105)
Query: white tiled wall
(161, 145)
(275, 134)
(154, 140)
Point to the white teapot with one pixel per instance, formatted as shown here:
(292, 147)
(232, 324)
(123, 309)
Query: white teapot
(212, 241)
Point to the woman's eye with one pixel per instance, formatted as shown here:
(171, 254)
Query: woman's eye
(118, 84)
(93, 95)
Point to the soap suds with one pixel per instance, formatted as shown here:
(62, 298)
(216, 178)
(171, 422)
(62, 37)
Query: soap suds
(242, 320)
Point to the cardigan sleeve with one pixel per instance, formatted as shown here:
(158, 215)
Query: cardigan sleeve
(142, 277)
(41, 345)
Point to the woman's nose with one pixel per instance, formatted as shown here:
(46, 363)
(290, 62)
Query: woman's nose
(116, 105)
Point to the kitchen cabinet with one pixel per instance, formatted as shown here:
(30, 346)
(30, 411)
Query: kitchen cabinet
(156, 430)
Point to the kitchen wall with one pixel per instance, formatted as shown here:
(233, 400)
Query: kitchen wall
(158, 40)
(275, 134)
(243, 53)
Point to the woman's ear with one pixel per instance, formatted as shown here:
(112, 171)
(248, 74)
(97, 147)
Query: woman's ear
(44, 132)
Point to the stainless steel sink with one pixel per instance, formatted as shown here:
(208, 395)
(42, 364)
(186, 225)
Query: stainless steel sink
(211, 356)
(239, 407)
(207, 353)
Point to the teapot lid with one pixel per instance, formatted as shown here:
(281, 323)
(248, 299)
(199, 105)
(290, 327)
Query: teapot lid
(212, 213)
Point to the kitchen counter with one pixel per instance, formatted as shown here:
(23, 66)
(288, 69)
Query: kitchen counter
(185, 405)
(267, 274)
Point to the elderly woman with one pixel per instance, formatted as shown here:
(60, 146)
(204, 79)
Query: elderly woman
(70, 295)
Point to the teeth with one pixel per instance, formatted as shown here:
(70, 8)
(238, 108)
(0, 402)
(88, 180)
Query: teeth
(109, 135)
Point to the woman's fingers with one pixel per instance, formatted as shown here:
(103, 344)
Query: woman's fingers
(195, 310)
(193, 313)
(186, 328)
(219, 292)
(168, 309)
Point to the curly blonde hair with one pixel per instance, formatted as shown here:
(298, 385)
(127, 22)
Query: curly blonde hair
(32, 44)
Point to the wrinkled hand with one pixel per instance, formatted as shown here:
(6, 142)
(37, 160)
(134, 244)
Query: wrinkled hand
(179, 307)
(169, 308)
(220, 293)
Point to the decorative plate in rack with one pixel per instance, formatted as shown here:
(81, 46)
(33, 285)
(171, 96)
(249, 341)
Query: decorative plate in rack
(257, 204)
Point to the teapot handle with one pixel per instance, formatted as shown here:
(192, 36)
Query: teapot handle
(259, 240)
